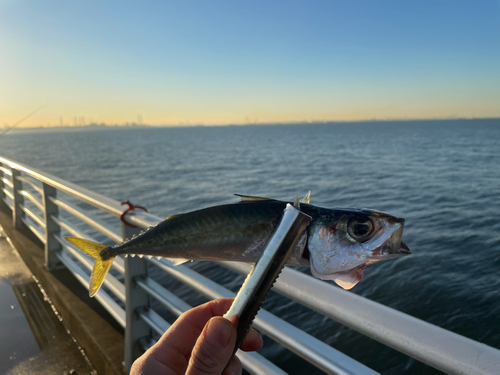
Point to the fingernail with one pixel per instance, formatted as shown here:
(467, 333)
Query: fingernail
(218, 332)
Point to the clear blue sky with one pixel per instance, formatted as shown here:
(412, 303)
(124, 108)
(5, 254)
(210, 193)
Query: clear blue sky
(219, 62)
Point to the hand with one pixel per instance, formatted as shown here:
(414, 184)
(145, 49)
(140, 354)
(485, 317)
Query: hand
(199, 342)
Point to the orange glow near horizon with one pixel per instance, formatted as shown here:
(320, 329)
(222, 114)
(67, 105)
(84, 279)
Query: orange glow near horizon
(340, 63)
(47, 117)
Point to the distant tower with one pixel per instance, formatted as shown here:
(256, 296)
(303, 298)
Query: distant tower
(60, 120)
(76, 121)
(139, 119)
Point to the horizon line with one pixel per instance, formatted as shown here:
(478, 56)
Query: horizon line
(302, 122)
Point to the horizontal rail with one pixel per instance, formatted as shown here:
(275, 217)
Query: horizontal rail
(32, 199)
(31, 183)
(103, 297)
(93, 223)
(97, 200)
(155, 321)
(68, 228)
(40, 236)
(33, 216)
(109, 205)
(423, 341)
(311, 349)
(164, 296)
(5, 170)
(8, 194)
(8, 183)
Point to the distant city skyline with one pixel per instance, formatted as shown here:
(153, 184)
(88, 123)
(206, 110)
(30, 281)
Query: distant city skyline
(473, 120)
(219, 63)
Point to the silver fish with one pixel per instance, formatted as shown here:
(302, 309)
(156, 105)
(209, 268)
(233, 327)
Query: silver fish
(337, 245)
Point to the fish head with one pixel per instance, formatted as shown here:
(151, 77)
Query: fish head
(342, 243)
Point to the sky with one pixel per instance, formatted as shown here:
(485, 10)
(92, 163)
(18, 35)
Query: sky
(234, 62)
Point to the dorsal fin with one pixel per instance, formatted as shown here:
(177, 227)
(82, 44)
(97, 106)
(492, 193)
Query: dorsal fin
(296, 202)
(307, 198)
(251, 198)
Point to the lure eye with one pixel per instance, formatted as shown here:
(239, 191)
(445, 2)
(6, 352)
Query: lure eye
(360, 230)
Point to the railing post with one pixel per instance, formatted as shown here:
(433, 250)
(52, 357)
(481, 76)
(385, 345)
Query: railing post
(18, 201)
(51, 228)
(2, 186)
(136, 299)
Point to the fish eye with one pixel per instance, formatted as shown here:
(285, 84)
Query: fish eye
(360, 230)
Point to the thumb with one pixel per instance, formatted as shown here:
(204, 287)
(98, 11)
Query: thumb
(214, 347)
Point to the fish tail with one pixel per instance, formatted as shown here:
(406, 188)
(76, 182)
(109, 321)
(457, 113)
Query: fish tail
(101, 266)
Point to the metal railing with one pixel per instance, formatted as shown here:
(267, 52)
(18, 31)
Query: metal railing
(34, 199)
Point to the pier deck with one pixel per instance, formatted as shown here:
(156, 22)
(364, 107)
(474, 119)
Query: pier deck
(44, 330)
(34, 340)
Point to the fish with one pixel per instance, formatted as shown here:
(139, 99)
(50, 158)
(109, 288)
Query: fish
(337, 245)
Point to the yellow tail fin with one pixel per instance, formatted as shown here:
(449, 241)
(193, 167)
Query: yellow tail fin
(101, 267)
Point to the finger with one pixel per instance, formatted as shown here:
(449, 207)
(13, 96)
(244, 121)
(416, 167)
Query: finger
(234, 367)
(252, 342)
(146, 364)
(213, 348)
(175, 346)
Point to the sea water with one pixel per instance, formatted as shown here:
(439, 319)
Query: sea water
(443, 177)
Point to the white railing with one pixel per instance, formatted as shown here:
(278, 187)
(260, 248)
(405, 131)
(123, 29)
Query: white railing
(34, 199)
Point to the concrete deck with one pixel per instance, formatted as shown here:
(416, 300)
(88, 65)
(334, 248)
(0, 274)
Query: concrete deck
(34, 338)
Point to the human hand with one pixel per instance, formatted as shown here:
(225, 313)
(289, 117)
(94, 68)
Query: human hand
(199, 342)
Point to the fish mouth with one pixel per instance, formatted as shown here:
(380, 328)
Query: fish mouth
(393, 246)
(349, 278)
(404, 249)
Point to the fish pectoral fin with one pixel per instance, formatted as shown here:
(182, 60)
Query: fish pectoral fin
(252, 198)
(348, 279)
(307, 198)
(177, 261)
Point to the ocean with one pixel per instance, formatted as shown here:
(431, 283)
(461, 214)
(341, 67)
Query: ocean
(443, 177)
